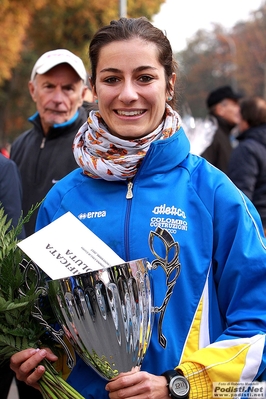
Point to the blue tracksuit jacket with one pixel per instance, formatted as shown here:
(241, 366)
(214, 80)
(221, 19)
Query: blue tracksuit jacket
(216, 316)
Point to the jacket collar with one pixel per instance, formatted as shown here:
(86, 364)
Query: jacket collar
(63, 128)
(164, 155)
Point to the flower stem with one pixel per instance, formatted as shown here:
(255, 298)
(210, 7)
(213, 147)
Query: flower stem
(55, 387)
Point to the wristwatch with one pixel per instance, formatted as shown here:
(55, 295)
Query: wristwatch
(178, 385)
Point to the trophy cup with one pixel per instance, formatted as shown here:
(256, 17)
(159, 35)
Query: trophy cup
(106, 315)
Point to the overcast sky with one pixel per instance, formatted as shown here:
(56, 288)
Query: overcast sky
(182, 18)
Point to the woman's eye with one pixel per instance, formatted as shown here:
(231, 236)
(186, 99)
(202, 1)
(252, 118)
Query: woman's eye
(111, 80)
(145, 78)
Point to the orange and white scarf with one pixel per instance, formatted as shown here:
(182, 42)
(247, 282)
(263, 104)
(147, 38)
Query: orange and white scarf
(104, 156)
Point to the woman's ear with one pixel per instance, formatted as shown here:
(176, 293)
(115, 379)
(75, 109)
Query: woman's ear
(172, 81)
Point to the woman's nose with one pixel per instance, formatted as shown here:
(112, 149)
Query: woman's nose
(128, 93)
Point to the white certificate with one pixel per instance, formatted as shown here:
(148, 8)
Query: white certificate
(66, 247)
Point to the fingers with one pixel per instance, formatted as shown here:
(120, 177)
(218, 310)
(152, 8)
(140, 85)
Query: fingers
(50, 355)
(138, 384)
(26, 365)
(133, 371)
(33, 378)
(124, 380)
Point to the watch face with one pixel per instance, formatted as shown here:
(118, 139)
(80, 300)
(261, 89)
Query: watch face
(179, 386)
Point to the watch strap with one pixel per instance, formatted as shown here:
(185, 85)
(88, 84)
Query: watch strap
(169, 375)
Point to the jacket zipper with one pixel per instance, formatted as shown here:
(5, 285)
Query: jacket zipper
(129, 190)
(43, 143)
(38, 159)
(129, 196)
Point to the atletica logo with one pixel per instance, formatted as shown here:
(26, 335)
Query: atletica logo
(174, 221)
(168, 210)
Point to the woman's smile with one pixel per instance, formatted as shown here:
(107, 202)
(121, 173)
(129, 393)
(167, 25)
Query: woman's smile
(130, 113)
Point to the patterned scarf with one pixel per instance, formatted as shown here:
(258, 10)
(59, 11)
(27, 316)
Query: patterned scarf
(102, 155)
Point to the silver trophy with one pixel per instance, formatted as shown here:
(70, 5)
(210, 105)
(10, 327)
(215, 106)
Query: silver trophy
(107, 315)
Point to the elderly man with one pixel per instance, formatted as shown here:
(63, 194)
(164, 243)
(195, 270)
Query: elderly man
(44, 153)
(223, 105)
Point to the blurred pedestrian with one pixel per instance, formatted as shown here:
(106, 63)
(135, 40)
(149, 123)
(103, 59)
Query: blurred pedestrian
(247, 166)
(4, 151)
(10, 189)
(223, 105)
(10, 200)
(44, 153)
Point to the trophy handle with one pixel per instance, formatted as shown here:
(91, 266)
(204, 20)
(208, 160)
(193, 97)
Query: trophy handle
(171, 266)
(31, 270)
(56, 334)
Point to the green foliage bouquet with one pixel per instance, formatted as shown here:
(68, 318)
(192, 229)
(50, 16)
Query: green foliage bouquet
(19, 296)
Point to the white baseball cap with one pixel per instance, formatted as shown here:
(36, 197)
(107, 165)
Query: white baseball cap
(55, 57)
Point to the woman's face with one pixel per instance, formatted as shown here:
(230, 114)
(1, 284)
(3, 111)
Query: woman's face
(131, 88)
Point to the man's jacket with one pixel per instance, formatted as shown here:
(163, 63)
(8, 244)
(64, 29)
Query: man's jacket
(44, 160)
(219, 151)
(247, 167)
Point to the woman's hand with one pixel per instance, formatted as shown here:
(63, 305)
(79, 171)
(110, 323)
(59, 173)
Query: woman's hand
(26, 366)
(139, 384)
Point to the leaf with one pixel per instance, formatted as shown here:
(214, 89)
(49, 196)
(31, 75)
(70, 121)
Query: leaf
(18, 298)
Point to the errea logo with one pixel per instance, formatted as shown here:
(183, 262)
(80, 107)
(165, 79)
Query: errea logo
(168, 210)
(92, 215)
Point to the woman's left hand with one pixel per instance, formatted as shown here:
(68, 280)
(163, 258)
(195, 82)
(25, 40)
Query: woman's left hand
(138, 384)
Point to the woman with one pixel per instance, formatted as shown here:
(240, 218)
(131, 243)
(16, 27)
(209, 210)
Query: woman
(138, 175)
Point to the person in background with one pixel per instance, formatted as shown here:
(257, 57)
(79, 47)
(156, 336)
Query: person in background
(10, 189)
(4, 151)
(11, 201)
(247, 166)
(88, 102)
(223, 105)
(139, 178)
(44, 153)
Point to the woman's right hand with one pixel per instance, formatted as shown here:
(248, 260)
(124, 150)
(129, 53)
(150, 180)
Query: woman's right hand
(26, 365)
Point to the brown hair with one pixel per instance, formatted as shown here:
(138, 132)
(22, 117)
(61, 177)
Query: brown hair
(128, 28)
(253, 111)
